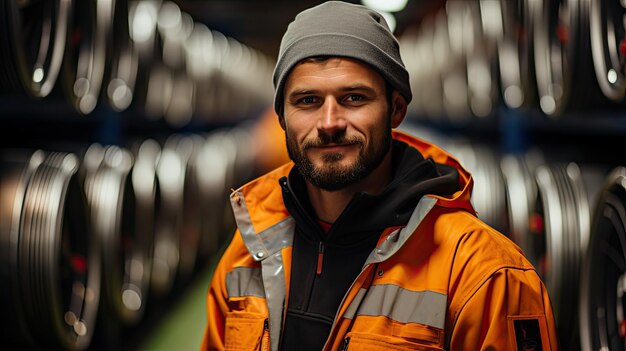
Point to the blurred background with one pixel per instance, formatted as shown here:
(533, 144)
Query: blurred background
(125, 123)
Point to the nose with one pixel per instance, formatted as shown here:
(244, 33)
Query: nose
(332, 119)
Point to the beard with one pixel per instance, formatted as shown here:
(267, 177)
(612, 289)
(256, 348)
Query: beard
(333, 176)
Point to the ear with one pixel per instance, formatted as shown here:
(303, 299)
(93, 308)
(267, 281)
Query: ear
(281, 120)
(398, 109)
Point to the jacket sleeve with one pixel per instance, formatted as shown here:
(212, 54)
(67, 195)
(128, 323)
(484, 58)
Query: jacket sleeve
(217, 306)
(509, 311)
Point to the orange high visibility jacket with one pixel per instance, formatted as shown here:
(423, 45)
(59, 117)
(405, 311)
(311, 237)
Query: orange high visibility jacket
(445, 280)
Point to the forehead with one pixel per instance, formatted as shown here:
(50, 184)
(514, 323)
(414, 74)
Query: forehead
(333, 72)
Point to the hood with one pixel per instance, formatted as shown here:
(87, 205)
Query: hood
(369, 214)
(263, 196)
(460, 199)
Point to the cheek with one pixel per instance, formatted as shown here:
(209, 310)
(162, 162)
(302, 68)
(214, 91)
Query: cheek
(372, 128)
(300, 130)
(294, 134)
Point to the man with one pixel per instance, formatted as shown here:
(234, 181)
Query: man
(368, 240)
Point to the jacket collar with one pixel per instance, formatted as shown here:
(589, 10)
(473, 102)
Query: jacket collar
(264, 202)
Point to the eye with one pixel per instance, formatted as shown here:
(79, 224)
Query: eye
(355, 98)
(307, 100)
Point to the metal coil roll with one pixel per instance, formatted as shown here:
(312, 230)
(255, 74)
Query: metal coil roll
(603, 286)
(521, 195)
(187, 149)
(175, 27)
(147, 199)
(142, 22)
(171, 171)
(453, 63)
(32, 44)
(53, 261)
(563, 56)
(452, 33)
(481, 62)
(433, 51)
(123, 63)
(515, 50)
(608, 44)
(559, 234)
(85, 54)
(489, 195)
(212, 167)
(126, 251)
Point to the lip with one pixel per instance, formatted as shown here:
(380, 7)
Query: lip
(334, 147)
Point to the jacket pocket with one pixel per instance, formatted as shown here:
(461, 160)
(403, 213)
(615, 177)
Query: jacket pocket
(418, 333)
(372, 342)
(245, 331)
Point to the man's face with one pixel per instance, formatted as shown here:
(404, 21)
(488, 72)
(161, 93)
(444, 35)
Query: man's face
(337, 121)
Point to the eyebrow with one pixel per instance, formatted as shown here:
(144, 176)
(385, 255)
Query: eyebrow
(356, 87)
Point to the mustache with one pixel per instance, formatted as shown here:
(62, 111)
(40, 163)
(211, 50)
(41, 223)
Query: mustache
(325, 140)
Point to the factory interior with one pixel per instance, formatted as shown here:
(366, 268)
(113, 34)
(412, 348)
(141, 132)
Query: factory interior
(126, 124)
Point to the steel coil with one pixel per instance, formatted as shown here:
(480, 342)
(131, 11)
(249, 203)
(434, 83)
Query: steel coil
(515, 52)
(481, 62)
(212, 166)
(451, 34)
(52, 260)
(147, 197)
(559, 234)
(123, 63)
(116, 220)
(175, 27)
(489, 194)
(142, 22)
(170, 174)
(603, 286)
(187, 147)
(521, 195)
(563, 56)
(608, 44)
(33, 39)
(86, 52)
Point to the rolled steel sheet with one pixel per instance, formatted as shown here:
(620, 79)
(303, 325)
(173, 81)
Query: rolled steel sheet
(187, 148)
(608, 44)
(32, 42)
(454, 34)
(115, 217)
(147, 199)
(601, 305)
(146, 43)
(489, 194)
(85, 55)
(521, 195)
(563, 63)
(559, 232)
(123, 63)
(481, 62)
(170, 174)
(515, 53)
(175, 27)
(52, 260)
(213, 170)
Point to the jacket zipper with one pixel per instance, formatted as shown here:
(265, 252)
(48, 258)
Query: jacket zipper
(344, 347)
(265, 338)
(320, 258)
(320, 255)
(343, 300)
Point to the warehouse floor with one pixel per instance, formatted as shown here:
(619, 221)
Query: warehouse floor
(182, 326)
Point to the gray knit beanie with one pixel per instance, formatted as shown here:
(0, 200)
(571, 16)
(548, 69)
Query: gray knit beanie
(337, 28)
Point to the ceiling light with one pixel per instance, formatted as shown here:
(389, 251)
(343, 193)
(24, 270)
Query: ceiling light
(385, 5)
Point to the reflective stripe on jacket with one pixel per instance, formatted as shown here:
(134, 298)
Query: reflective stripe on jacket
(445, 280)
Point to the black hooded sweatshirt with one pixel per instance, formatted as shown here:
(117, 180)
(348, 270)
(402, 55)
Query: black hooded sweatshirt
(324, 264)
